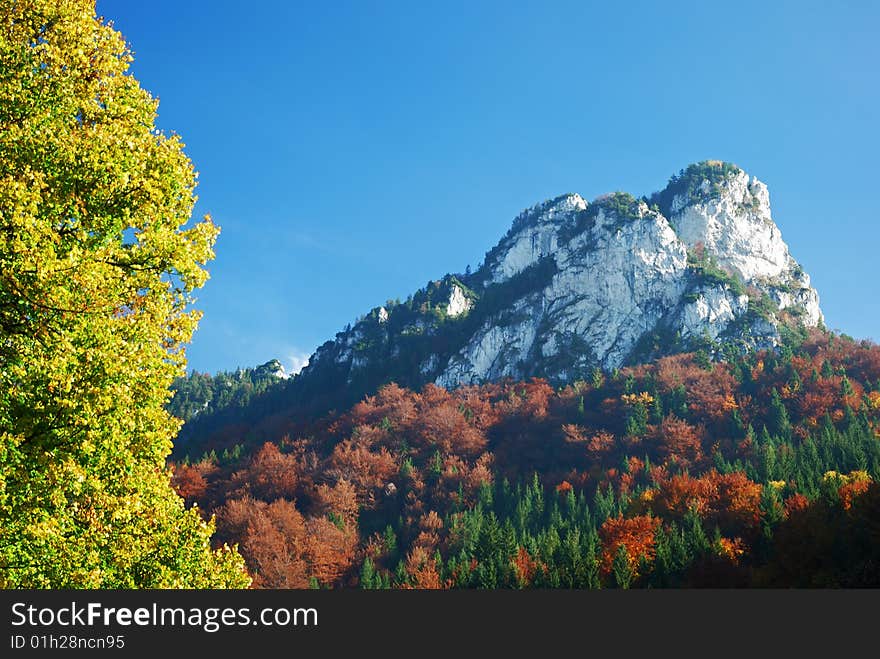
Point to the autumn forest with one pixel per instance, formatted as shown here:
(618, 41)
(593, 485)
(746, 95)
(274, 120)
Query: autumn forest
(729, 459)
(682, 473)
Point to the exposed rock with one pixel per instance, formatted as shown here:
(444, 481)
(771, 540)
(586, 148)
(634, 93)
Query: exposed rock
(272, 368)
(711, 313)
(534, 235)
(735, 227)
(458, 303)
(573, 285)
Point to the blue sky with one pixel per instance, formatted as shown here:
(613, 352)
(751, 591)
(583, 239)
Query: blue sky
(353, 151)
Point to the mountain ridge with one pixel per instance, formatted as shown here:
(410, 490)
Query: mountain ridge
(574, 286)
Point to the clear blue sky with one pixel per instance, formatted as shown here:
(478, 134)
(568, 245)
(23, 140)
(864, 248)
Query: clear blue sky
(352, 151)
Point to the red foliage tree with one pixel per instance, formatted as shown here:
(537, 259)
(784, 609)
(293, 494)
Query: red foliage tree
(634, 533)
(739, 501)
(339, 499)
(680, 440)
(274, 546)
(681, 493)
(329, 549)
(525, 567)
(189, 483)
(366, 469)
(422, 570)
(442, 425)
(270, 474)
(796, 503)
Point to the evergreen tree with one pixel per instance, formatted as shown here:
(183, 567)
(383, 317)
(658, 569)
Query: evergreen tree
(661, 576)
(592, 574)
(368, 574)
(695, 538)
(401, 576)
(657, 409)
(778, 416)
(621, 570)
(597, 378)
(677, 403)
(637, 420)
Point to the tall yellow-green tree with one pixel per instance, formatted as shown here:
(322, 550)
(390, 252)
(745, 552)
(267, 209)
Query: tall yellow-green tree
(98, 263)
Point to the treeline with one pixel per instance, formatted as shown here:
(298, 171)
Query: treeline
(683, 472)
(205, 394)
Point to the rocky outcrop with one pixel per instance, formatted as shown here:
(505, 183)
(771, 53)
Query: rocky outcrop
(731, 219)
(458, 302)
(576, 285)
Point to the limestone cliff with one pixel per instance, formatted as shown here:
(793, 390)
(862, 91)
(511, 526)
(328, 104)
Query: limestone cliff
(576, 285)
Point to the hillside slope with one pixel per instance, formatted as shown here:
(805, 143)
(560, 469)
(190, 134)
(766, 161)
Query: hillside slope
(760, 471)
(572, 287)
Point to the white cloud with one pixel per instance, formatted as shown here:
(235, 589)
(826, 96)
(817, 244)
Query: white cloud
(295, 361)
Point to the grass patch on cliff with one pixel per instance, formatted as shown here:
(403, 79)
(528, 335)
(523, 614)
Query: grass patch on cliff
(707, 273)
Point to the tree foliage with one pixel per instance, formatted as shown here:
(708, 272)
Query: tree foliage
(97, 267)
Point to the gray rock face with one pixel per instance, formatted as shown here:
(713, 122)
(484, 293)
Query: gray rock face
(737, 229)
(575, 285)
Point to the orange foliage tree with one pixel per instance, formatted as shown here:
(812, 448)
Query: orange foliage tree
(636, 534)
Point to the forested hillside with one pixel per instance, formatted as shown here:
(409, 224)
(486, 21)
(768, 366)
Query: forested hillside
(758, 471)
(204, 394)
(573, 285)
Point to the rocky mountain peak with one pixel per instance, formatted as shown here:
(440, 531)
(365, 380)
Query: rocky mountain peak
(730, 217)
(575, 285)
